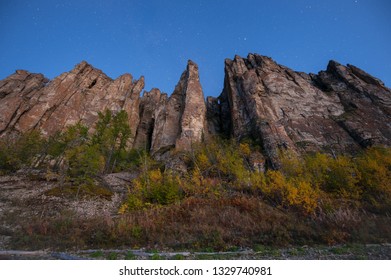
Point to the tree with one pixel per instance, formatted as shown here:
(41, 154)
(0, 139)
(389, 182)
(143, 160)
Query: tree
(112, 135)
(20, 151)
(84, 163)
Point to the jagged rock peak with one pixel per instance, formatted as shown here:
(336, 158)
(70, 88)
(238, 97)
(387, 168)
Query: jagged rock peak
(181, 119)
(194, 114)
(341, 109)
(337, 110)
(77, 95)
(81, 66)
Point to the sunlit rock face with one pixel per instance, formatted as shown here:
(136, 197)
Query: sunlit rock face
(180, 120)
(30, 101)
(337, 110)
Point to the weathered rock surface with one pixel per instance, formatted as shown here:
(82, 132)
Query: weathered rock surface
(181, 119)
(30, 101)
(338, 110)
(148, 106)
(158, 123)
(341, 109)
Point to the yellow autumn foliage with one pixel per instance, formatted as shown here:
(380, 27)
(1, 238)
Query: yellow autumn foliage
(297, 192)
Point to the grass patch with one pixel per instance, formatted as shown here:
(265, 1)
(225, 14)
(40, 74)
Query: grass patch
(156, 257)
(130, 256)
(204, 225)
(97, 254)
(112, 256)
(178, 257)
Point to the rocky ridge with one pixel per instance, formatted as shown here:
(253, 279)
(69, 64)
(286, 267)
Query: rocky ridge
(30, 101)
(337, 110)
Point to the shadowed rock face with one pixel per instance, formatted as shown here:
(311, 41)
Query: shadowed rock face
(342, 109)
(148, 106)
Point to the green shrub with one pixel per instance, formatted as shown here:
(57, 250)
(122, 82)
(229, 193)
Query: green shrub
(160, 188)
(291, 164)
(225, 160)
(20, 151)
(62, 142)
(153, 188)
(84, 163)
(6, 160)
(112, 134)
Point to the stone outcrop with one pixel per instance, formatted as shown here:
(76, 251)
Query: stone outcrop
(181, 118)
(149, 104)
(341, 109)
(158, 123)
(30, 101)
(338, 110)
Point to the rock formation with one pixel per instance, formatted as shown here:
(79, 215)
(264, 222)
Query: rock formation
(182, 118)
(158, 123)
(341, 109)
(338, 110)
(149, 104)
(30, 101)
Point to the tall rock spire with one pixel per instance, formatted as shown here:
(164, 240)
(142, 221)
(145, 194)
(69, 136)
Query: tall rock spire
(182, 119)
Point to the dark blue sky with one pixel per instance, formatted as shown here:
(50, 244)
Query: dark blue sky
(156, 38)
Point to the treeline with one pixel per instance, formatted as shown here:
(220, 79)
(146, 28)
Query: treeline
(74, 155)
(217, 168)
(310, 184)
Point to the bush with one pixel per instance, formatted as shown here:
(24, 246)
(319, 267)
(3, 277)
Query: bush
(83, 157)
(62, 142)
(224, 160)
(338, 176)
(111, 136)
(84, 164)
(20, 151)
(297, 193)
(291, 165)
(317, 168)
(153, 188)
(6, 162)
(375, 181)
(343, 177)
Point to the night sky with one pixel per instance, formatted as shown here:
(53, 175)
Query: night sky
(156, 38)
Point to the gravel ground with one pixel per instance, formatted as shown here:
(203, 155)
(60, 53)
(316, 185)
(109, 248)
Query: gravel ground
(341, 252)
(23, 197)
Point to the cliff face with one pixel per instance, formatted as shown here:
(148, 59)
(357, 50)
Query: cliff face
(150, 103)
(341, 109)
(158, 123)
(29, 101)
